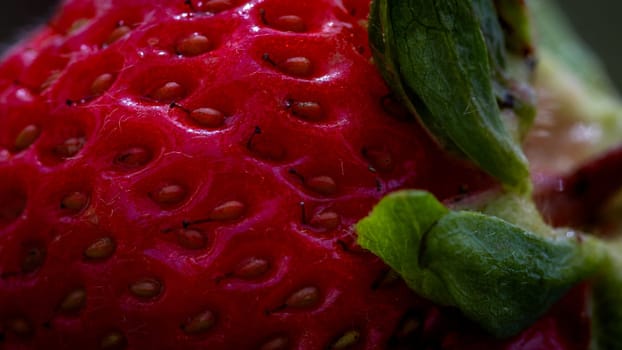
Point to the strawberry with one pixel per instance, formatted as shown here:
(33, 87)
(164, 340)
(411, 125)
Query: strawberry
(187, 174)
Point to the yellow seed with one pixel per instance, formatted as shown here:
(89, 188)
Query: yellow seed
(303, 298)
(193, 45)
(347, 340)
(297, 66)
(230, 210)
(102, 248)
(74, 201)
(117, 34)
(252, 268)
(207, 117)
(278, 343)
(73, 301)
(200, 323)
(101, 84)
(146, 288)
(311, 111)
(51, 79)
(322, 184)
(170, 194)
(168, 92)
(328, 220)
(290, 23)
(26, 137)
(77, 24)
(133, 157)
(70, 147)
(112, 340)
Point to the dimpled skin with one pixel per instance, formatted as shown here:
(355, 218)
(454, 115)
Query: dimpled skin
(186, 175)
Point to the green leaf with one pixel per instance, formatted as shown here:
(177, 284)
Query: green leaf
(435, 57)
(498, 274)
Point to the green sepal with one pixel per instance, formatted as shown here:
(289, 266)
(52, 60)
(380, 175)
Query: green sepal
(435, 57)
(498, 274)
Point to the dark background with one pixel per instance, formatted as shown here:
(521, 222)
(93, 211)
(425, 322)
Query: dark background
(598, 21)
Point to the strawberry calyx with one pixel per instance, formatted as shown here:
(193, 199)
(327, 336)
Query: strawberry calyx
(459, 101)
(479, 254)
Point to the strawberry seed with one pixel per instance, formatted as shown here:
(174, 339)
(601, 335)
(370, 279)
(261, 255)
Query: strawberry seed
(296, 66)
(278, 343)
(230, 210)
(304, 298)
(193, 45)
(252, 268)
(73, 301)
(26, 137)
(207, 117)
(146, 288)
(200, 323)
(324, 185)
(347, 340)
(101, 84)
(113, 340)
(101, 249)
(75, 201)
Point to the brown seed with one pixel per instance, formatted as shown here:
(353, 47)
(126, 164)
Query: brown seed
(113, 340)
(278, 343)
(77, 24)
(347, 340)
(193, 45)
(252, 268)
(168, 92)
(117, 34)
(304, 298)
(191, 239)
(102, 248)
(327, 220)
(20, 326)
(33, 259)
(290, 23)
(307, 110)
(75, 201)
(101, 84)
(169, 194)
(208, 117)
(297, 66)
(322, 184)
(73, 301)
(146, 288)
(200, 323)
(230, 210)
(216, 6)
(70, 147)
(133, 157)
(51, 79)
(26, 137)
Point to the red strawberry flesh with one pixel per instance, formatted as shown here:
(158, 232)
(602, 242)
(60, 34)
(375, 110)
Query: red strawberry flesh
(186, 174)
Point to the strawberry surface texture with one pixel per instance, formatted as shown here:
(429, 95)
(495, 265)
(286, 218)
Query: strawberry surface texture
(186, 175)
